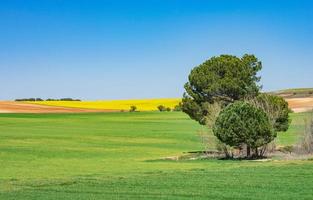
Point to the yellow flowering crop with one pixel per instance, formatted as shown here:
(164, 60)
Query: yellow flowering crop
(141, 104)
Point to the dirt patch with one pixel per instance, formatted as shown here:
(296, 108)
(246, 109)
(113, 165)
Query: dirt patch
(21, 107)
(300, 104)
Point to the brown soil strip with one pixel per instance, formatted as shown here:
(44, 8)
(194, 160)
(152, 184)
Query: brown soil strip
(21, 107)
(300, 104)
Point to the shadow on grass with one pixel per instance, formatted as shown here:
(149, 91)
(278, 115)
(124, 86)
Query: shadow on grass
(209, 156)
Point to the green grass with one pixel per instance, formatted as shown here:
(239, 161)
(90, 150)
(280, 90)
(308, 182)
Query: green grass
(295, 130)
(117, 156)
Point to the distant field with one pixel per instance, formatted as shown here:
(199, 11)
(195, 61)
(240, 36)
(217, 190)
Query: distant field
(294, 93)
(117, 156)
(142, 104)
(297, 104)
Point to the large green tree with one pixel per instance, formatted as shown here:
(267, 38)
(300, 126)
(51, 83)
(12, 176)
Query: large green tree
(242, 124)
(223, 79)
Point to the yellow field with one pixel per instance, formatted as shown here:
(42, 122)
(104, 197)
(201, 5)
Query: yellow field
(142, 104)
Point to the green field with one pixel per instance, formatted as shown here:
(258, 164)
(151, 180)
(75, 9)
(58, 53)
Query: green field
(119, 156)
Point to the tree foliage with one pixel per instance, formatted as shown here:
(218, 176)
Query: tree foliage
(132, 109)
(276, 108)
(161, 108)
(222, 79)
(241, 124)
(178, 107)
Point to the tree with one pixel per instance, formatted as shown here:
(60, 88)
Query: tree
(178, 107)
(223, 79)
(132, 109)
(276, 109)
(161, 108)
(241, 124)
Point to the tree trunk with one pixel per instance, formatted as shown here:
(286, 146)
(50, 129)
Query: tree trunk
(256, 152)
(248, 151)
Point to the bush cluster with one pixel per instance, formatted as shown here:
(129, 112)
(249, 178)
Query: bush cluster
(29, 99)
(162, 108)
(178, 107)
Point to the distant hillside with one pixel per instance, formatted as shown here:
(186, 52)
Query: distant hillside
(294, 93)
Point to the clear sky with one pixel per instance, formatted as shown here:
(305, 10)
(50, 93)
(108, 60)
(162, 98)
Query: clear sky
(143, 49)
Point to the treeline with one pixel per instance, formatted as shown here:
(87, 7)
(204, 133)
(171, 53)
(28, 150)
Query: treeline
(39, 99)
(63, 99)
(162, 108)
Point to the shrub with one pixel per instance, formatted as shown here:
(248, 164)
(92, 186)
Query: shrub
(276, 109)
(305, 145)
(178, 107)
(132, 109)
(161, 108)
(168, 109)
(287, 149)
(241, 124)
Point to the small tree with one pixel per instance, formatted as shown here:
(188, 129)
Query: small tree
(178, 107)
(132, 109)
(161, 108)
(168, 109)
(242, 124)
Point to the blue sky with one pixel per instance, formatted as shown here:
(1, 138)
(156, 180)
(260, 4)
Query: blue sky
(145, 49)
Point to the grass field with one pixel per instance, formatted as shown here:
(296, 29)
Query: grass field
(118, 156)
(141, 104)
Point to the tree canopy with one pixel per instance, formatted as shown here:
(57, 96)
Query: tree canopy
(222, 79)
(241, 124)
